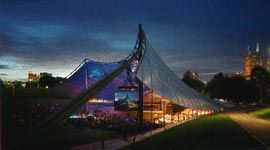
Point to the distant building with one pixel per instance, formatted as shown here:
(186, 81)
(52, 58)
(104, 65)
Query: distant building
(23, 84)
(268, 64)
(43, 74)
(14, 84)
(33, 77)
(8, 84)
(252, 60)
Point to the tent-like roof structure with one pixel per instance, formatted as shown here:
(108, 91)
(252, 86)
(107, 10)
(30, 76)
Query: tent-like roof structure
(87, 75)
(149, 69)
(154, 73)
(143, 66)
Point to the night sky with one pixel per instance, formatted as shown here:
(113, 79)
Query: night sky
(207, 36)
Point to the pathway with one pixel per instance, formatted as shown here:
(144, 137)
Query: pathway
(258, 128)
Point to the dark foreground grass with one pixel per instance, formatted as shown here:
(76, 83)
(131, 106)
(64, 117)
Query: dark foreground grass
(26, 93)
(59, 139)
(73, 137)
(210, 132)
(263, 113)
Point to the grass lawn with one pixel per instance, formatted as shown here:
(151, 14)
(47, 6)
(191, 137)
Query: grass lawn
(210, 132)
(58, 139)
(73, 137)
(263, 113)
(62, 139)
(32, 93)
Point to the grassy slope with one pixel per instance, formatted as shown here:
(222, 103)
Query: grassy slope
(210, 132)
(61, 138)
(33, 93)
(263, 113)
(78, 137)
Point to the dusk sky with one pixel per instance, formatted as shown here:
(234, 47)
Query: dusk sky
(207, 36)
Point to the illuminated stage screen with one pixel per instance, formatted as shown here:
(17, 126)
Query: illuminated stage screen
(126, 100)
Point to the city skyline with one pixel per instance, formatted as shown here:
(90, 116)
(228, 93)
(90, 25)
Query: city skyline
(204, 36)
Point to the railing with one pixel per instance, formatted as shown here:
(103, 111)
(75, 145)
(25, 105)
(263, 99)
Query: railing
(77, 68)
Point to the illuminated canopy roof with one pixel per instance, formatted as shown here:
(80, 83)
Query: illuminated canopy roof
(149, 69)
(100, 80)
(154, 73)
(88, 74)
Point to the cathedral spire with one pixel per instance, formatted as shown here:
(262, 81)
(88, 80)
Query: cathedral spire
(257, 47)
(248, 49)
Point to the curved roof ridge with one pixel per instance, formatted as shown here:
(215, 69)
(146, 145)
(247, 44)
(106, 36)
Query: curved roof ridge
(92, 60)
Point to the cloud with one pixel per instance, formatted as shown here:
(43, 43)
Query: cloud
(4, 66)
(55, 35)
(3, 74)
(205, 65)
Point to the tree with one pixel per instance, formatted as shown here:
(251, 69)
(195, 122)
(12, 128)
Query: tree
(213, 87)
(49, 81)
(238, 89)
(197, 85)
(262, 79)
(235, 89)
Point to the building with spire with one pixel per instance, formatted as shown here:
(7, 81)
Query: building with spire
(252, 60)
(268, 64)
(33, 77)
(268, 61)
(257, 47)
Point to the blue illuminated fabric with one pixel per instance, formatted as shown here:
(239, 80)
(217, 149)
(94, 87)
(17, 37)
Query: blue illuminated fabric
(86, 76)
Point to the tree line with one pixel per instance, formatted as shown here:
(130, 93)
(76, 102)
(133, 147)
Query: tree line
(238, 89)
(45, 82)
